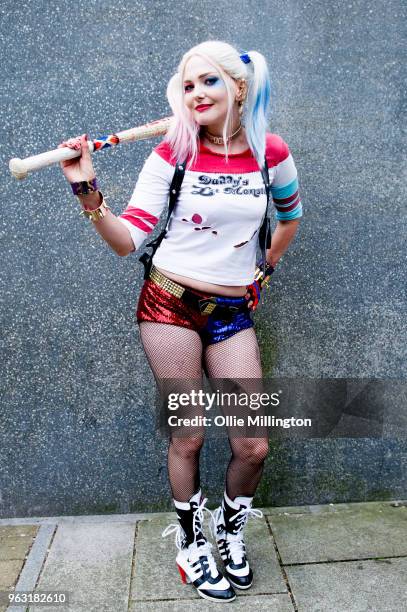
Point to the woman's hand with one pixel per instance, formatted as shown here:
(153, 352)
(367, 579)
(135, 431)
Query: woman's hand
(253, 295)
(254, 290)
(79, 168)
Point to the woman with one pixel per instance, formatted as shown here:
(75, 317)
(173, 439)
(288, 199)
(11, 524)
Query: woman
(220, 100)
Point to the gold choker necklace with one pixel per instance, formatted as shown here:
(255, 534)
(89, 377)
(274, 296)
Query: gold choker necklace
(218, 140)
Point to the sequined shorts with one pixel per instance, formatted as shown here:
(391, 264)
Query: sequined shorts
(158, 305)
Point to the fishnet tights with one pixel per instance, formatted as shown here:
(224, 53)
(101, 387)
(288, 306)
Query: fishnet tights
(177, 352)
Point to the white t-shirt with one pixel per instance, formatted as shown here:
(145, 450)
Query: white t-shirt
(213, 230)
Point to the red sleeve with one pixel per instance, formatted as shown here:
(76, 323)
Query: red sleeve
(149, 198)
(276, 149)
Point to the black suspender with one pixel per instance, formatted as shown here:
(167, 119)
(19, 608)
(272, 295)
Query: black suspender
(264, 232)
(175, 188)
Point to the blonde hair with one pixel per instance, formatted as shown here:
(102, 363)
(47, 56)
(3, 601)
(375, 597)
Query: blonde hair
(184, 131)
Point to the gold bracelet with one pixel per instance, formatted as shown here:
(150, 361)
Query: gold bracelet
(97, 213)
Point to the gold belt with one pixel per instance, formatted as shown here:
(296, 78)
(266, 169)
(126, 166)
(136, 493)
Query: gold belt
(205, 305)
(166, 283)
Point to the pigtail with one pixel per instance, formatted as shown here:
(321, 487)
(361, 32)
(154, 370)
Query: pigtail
(257, 104)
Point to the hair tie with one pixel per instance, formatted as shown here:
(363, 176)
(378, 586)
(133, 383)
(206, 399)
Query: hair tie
(245, 58)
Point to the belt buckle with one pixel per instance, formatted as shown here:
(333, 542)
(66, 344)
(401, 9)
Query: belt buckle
(206, 306)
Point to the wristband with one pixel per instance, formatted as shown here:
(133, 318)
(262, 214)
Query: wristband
(258, 276)
(85, 187)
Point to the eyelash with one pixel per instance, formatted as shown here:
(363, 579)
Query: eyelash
(212, 80)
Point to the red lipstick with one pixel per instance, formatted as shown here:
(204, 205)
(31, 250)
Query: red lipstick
(202, 107)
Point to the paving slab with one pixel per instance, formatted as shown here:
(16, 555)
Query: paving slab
(32, 567)
(15, 541)
(9, 571)
(15, 544)
(353, 533)
(84, 518)
(326, 508)
(156, 577)
(93, 564)
(257, 603)
(357, 586)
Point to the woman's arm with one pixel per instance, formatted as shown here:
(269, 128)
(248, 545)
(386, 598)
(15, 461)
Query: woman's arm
(109, 228)
(287, 202)
(81, 169)
(281, 239)
(125, 233)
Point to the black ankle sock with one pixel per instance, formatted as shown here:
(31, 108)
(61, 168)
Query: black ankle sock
(232, 507)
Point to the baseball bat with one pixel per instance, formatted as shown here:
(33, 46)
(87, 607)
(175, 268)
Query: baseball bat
(20, 168)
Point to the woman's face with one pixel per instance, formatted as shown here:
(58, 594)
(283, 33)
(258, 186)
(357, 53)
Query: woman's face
(205, 94)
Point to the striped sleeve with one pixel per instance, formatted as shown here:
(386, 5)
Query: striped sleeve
(148, 200)
(284, 189)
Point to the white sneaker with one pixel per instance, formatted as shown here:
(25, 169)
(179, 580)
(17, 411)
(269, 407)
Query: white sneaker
(195, 561)
(229, 538)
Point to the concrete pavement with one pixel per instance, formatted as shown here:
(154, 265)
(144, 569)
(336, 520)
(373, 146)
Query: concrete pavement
(341, 557)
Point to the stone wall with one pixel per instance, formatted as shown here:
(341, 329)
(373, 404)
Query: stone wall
(77, 422)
